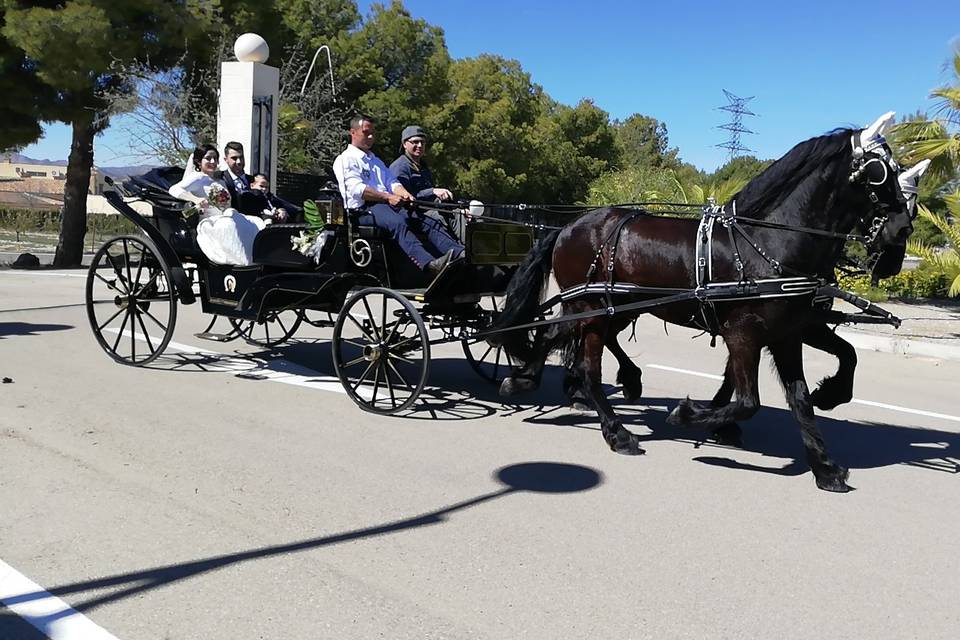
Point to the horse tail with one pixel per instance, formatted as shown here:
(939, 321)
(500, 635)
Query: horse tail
(523, 298)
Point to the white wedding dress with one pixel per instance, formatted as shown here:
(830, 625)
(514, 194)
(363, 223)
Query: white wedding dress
(225, 237)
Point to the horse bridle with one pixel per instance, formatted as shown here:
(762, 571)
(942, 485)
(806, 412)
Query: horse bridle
(864, 156)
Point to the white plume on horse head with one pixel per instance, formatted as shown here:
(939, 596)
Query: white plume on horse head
(874, 133)
(910, 178)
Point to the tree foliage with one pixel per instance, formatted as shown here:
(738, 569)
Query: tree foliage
(644, 142)
(70, 46)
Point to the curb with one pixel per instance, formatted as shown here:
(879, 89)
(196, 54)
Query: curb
(901, 346)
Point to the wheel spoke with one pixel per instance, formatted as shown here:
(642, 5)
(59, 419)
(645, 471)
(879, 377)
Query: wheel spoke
(376, 384)
(351, 342)
(133, 331)
(146, 284)
(362, 330)
(146, 335)
(126, 260)
(485, 353)
(354, 362)
(110, 319)
(116, 344)
(373, 323)
(159, 324)
(363, 377)
(402, 379)
(393, 395)
(110, 285)
(136, 280)
(496, 364)
(118, 271)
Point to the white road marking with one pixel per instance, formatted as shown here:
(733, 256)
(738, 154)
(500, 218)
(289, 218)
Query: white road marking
(688, 372)
(278, 370)
(869, 403)
(44, 273)
(47, 613)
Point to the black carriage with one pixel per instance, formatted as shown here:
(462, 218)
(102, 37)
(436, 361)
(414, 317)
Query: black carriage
(385, 313)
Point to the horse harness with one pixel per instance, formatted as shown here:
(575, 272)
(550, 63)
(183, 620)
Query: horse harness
(865, 161)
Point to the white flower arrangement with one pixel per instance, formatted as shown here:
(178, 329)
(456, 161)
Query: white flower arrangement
(311, 243)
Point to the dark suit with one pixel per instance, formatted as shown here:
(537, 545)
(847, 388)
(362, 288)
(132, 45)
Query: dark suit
(227, 179)
(254, 201)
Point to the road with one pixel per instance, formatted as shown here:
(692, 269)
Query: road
(228, 492)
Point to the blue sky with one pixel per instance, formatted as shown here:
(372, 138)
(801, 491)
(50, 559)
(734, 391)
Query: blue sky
(811, 65)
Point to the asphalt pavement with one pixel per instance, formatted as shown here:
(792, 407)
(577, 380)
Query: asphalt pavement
(228, 491)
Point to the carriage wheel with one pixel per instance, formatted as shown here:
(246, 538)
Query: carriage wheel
(493, 364)
(277, 327)
(131, 304)
(381, 351)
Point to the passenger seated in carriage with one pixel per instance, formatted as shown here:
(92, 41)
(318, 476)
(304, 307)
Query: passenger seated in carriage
(366, 183)
(259, 201)
(224, 234)
(413, 173)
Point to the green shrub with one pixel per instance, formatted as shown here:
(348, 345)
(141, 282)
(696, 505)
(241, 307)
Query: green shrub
(918, 283)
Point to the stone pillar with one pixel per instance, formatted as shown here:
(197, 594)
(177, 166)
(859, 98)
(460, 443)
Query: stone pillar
(249, 105)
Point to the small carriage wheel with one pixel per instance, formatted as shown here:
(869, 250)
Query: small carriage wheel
(131, 303)
(491, 363)
(381, 350)
(277, 327)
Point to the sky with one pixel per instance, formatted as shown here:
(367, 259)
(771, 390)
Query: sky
(810, 66)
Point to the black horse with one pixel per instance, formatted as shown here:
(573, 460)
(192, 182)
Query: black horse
(833, 390)
(792, 220)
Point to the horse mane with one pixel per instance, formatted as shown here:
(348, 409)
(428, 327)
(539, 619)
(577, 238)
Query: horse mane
(780, 180)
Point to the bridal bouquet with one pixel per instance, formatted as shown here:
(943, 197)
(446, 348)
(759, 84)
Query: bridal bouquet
(217, 196)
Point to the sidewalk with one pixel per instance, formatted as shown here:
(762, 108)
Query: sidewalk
(929, 329)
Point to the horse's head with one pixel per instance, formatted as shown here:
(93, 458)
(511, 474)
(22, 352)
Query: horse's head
(888, 220)
(890, 260)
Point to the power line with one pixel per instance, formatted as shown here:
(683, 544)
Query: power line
(737, 107)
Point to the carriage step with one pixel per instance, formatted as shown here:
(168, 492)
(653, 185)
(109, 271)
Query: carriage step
(216, 337)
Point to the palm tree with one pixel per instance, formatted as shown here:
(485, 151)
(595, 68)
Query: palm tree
(938, 138)
(946, 261)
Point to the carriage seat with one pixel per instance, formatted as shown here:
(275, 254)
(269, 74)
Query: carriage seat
(365, 231)
(272, 246)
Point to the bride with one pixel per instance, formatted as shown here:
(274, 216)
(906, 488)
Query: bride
(225, 237)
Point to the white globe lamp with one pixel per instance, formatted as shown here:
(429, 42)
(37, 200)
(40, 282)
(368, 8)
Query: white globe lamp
(251, 48)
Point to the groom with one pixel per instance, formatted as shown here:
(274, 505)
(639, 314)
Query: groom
(234, 177)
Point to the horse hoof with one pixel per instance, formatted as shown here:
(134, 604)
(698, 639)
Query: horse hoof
(834, 480)
(512, 386)
(680, 415)
(827, 396)
(507, 387)
(579, 405)
(626, 443)
(729, 435)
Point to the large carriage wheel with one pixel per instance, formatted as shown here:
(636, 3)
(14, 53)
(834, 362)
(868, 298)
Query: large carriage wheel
(381, 350)
(277, 327)
(493, 364)
(131, 303)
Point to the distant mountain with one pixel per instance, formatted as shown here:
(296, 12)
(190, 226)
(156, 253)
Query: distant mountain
(117, 173)
(19, 157)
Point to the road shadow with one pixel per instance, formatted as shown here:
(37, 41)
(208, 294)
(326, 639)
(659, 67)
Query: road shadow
(774, 433)
(29, 328)
(532, 477)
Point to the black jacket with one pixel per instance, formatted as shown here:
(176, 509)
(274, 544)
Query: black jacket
(224, 177)
(254, 201)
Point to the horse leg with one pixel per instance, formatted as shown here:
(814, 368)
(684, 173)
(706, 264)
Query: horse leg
(742, 366)
(788, 358)
(836, 389)
(729, 433)
(588, 364)
(527, 377)
(629, 374)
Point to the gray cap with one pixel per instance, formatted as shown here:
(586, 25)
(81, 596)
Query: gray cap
(411, 131)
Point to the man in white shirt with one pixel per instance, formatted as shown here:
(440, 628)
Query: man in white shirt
(366, 183)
